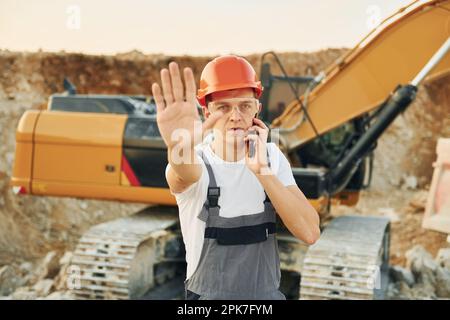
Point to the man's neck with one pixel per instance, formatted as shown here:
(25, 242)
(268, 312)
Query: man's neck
(228, 151)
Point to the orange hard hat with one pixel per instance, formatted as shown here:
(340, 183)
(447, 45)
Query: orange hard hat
(226, 73)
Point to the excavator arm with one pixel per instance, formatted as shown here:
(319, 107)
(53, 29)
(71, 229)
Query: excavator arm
(360, 81)
(375, 82)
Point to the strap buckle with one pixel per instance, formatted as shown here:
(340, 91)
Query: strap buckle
(213, 196)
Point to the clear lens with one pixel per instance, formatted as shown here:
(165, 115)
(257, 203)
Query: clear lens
(246, 106)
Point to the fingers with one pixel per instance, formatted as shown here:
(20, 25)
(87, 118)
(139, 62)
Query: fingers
(172, 84)
(261, 128)
(260, 123)
(252, 137)
(261, 131)
(156, 91)
(177, 85)
(212, 119)
(166, 86)
(190, 84)
(259, 155)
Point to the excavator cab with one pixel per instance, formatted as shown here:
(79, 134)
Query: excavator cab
(277, 93)
(312, 159)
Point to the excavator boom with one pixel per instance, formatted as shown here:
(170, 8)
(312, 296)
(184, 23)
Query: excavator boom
(361, 80)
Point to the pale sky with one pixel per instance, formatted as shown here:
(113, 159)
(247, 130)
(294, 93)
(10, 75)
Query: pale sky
(192, 27)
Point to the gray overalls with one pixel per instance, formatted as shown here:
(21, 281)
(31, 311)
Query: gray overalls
(239, 258)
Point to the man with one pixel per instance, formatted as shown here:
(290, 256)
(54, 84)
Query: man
(228, 198)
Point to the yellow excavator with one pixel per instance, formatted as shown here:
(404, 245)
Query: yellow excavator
(109, 147)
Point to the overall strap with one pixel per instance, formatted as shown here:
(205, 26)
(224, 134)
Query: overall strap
(267, 199)
(211, 206)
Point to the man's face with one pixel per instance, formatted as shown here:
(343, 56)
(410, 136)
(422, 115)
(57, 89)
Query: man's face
(240, 107)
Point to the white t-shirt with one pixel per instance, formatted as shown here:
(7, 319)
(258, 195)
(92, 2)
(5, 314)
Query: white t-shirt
(240, 194)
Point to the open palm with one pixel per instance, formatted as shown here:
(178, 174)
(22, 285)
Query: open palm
(177, 108)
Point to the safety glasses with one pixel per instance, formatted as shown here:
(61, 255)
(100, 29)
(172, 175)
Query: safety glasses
(246, 106)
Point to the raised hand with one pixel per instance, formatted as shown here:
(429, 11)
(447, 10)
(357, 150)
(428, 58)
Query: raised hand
(177, 108)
